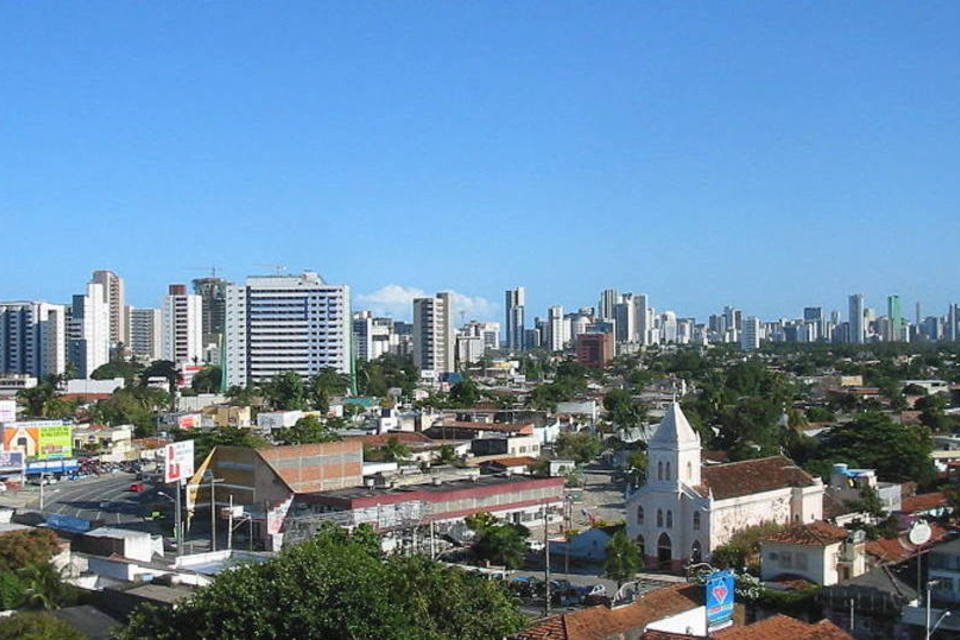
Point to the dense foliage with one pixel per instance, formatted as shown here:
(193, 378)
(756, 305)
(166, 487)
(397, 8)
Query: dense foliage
(37, 626)
(19, 549)
(623, 558)
(337, 586)
(389, 371)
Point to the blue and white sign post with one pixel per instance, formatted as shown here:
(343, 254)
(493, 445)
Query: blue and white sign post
(720, 591)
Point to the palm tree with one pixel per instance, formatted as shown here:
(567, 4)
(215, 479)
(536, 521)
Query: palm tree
(44, 586)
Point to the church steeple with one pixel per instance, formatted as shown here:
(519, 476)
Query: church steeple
(674, 451)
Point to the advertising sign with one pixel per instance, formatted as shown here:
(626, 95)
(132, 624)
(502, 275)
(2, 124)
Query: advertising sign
(189, 421)
(720, 591)
(52, 466)
(178, 465)
(40, 439)
(11, 461)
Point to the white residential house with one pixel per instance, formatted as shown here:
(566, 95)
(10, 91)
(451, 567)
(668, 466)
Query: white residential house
(686, 510)
(819, 552)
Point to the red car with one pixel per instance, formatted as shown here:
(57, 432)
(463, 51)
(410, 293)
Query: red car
(137, 487)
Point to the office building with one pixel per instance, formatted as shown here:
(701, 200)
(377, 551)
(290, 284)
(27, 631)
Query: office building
(952, 330)
(750, 334)
(641, 318)
(595, 350)
(286, 323)
(625, 319)
(144, 331)
(182, 326)
(515, 300)
(113, 296)
(213, 293)
(88, 330)
(609, 299)
(894, 320)
(857, 330)
(434, 338)
(33, 339)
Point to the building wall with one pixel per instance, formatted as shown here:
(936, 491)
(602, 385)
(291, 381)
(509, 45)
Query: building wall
(182, 332)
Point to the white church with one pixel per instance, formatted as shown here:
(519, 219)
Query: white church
(685, 509)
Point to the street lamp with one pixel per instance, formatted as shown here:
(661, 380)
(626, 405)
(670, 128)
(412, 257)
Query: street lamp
(943, 616)
(178, 530)
(213, 480)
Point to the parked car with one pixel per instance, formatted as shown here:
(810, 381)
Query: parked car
(137, 487)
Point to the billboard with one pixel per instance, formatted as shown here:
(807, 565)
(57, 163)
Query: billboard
(8, 411)
(178, 463)
(40, 439)
(11, 461)
(720, 592)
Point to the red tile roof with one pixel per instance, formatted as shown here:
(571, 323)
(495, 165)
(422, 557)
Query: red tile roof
(923, 502)
(817, 533)
(403, 437)
(753, 476)
(515, 461)
(601, 622)
(781, 627)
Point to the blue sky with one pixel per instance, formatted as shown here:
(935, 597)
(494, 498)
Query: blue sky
(764, 154)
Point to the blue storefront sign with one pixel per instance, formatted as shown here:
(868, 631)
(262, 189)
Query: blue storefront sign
(720, 591)
(52, 466)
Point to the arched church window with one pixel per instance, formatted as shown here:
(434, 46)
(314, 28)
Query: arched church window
(659, 517)
(659, 471)
(640, 515)
(696, 520)
(668, 471)
(689, 469)
(669, 519)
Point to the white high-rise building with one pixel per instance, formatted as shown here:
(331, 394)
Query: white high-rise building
(182, 326)
(641, 318)
(750, 334)
(89, 331)
(434, 338)
(856, 323)
(668, 327)
(33, 338)
(113, 296)
(287, 323)
(555, 328)
(609, 299)
(515, 300)
(625, 320)
(144, 333)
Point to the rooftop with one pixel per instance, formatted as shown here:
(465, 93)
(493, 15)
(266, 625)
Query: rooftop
(474, 482)
(815, 533)
(736, 479)
(781, 627)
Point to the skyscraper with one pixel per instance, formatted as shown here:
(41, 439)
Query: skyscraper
(89, 331)
(434, 338)
(750, 334)
(641, 316)
(286, 323)
(609, 299)
(33, 338)
(213, 292)
(514, 308)
(145, 333)
(113, 296)
(556, 338)
(894, 319)
(182, 326)
(855, 319)
(814, 315)
(625, 319)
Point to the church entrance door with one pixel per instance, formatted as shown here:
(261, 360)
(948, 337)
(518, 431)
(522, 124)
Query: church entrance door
(664, 551)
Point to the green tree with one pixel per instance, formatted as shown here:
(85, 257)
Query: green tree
(164, 369)
(207, 380)
(624, 411)
(464, 393)
(503, 544)
(389, 371)
(447, 454)
(37, 626)
(13, 593)
(204, 441)
(638, 464)
(336, 586)
(623, 558)
(327, 383)
(19, 549)
(395, 451)
(118, 368)
(37, 398)
(44, 586)
(581, 446)
(285, 391)
(307, 430)
(933, 412)
(481, 522)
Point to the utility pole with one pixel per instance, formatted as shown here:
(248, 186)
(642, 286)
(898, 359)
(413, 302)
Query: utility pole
(851, 616)
(209, 475)
(230, 525)
(41, 491)
(179, 523)
(546, 561)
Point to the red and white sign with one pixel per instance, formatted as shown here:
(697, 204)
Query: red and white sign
(178, 466)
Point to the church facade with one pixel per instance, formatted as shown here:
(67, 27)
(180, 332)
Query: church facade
(685, 509)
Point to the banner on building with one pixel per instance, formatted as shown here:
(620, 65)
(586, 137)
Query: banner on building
(40, 439)
(719, 599)
(11, 461)
(178, 464)
(8, 411)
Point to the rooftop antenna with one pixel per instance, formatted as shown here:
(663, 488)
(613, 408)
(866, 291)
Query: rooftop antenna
(279, 269)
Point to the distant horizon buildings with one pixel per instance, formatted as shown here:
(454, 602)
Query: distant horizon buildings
(514, 308)
(855, 319)
(434, 334)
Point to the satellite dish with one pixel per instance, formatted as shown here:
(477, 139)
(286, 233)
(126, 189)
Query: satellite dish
(920, 532)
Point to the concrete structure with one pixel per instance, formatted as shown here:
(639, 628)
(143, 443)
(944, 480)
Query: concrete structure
(286, 323)
(182, 326)
(894, 319)
(848, 485)
(113, 297)
(145, 333)
(684, 510)
(642, 316)
(609, 299)
(515, 299)
(820, 552)
(434, 339)
(625, 319)
(556, 335)
(855, 319)
(595, 349)
(750, 334)
(89, 331)
(213, 293)
(33, 339)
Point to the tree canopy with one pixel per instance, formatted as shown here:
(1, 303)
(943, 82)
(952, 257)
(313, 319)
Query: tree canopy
(337, 586)
(623, 558)
(307, 430)
(37, 626)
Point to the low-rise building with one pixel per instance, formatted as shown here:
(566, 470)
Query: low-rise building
(819, 552)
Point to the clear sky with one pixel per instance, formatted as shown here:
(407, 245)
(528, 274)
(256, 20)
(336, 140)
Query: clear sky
(764, 154)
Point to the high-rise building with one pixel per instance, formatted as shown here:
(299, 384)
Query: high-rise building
(145, 329)
(515, 300)
(951, 330)
(89, 331)
(814, 315)
(113, 296)
(625, 319)
(609, 299)
(750, 334)
(285, 323)
(182, 326)
(213, 292)
(33, 338)
(894, 319)
(556, 340)
(434, 338)
(641, 318)
(856, 319)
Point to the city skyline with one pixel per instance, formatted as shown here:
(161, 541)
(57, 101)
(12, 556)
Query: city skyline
(770, 158)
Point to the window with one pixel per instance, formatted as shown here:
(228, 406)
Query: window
(659, 471)
(659, 518)
(696, 521)
(668, 471)
(669, 519)
(800, 561)
(640, 516)
(786, 560)
(689, 469)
